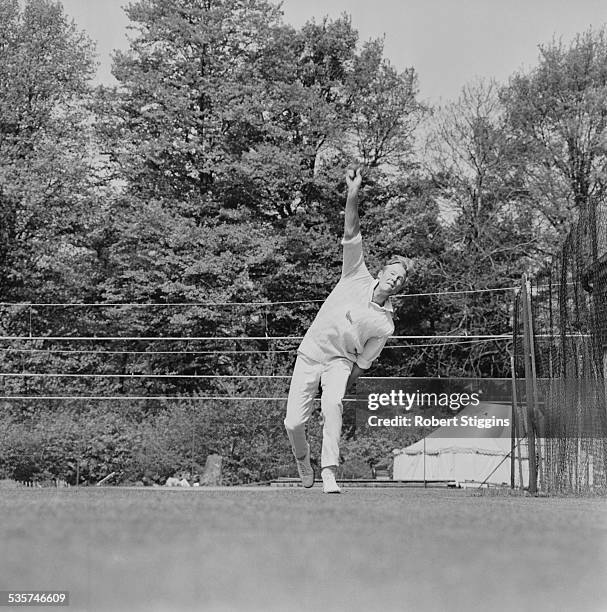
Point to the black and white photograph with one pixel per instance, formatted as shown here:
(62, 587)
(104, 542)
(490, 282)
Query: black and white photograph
(303, 305)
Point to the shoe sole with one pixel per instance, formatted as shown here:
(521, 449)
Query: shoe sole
(308, 486)
(332, 491)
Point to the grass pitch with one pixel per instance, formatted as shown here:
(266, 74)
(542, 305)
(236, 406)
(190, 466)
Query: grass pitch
(294, 550)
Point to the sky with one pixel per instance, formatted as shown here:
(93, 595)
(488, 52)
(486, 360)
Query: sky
(449, 42)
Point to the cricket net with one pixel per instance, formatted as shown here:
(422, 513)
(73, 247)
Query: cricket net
(560, 360)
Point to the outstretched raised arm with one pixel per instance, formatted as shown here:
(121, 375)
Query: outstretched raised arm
(351, 221)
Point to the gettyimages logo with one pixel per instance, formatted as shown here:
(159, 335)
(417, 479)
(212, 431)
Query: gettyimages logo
(458, 407)
(419, 399)
(563, 409)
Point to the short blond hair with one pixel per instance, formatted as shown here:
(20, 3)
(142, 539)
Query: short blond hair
(407, 263)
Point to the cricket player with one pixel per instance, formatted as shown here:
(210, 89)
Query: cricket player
(347, 335)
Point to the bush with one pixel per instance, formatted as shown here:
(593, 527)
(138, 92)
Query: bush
(61, 444)
(148, 446)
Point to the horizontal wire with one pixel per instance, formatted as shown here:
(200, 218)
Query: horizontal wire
(471, 337)
(101, 352)
(210, 304)
(153, 304)
(150, 338)
(231, 338)
(207, 376)
(189, 376)
(130, 397)
(442, 343)
(219, 352)
(150, 397)
(462, 292)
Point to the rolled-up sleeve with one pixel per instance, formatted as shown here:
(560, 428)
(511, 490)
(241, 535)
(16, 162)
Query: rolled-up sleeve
(373, 347)
(353, 259)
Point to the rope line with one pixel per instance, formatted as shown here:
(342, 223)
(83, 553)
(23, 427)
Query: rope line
(101, 352)
(153, 304)
(151, 397)
(236, 338)
(232, 376)
(462, 292)
(149, 338)
(189, 376)
(439, 344)
(211, 304)
(223, 352)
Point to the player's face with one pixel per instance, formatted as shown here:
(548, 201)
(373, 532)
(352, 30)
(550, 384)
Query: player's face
(392, 278)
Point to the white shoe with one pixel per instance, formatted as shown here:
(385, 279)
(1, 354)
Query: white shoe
(305, 470)
(329, 485)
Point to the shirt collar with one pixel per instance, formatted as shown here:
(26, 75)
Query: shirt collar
(387, 304)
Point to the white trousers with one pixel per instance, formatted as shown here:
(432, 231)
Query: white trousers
(307, 375)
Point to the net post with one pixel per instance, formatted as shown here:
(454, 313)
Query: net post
(529, 384)
(512, 424)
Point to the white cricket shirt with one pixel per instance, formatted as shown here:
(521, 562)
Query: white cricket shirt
(349, 324)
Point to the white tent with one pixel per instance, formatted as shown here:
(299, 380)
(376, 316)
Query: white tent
(480, 458)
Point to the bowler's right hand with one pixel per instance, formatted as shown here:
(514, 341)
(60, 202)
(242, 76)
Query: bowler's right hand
(354, 179)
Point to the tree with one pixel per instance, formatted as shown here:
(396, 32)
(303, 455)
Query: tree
(185, 96)
(326, 102)
(385, 109)
(306, 111)
(559, 114)
(45, 64)
(488, 223)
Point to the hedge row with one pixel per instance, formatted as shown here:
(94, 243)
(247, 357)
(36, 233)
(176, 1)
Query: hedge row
(144, 444)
